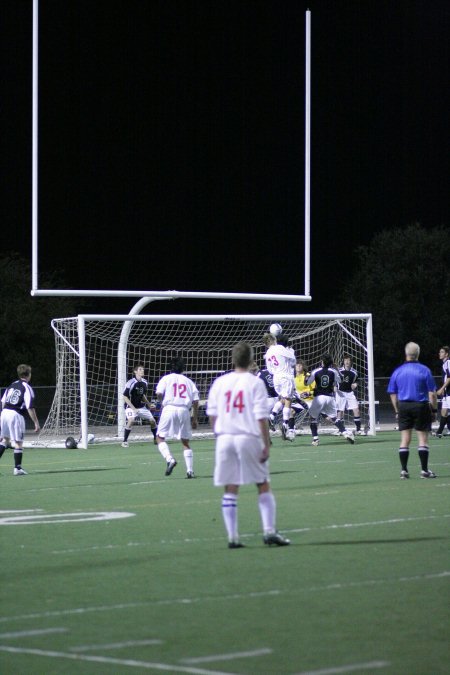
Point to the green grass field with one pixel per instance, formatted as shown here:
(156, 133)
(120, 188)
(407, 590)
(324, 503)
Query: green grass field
(363, 588)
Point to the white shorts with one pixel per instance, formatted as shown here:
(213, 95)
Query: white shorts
(323, 404)
(346, 400)
(285, 387)
(238, 460)
(12, 425)
(175, 422)
(143, 413)
(445, 405)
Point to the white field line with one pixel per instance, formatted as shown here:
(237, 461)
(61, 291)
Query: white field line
(347, 669)
(226, 598)
(117, 645)
(147, 665)
(227, 657)
(31, 633)
(391, 521)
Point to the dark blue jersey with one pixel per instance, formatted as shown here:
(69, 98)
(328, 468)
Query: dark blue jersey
(19, 396)
(348, 377)
(267, 378)
(326, 380)
(135, 390)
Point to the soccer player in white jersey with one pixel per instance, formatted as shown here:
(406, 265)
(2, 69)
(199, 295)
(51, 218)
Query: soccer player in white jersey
(280, 362)
(178, 394)
(16, 401)
(444, 391)
(136, 403)
(237, 408)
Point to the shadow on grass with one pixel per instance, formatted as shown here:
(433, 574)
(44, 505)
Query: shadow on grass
(84, 470)
(409, 540)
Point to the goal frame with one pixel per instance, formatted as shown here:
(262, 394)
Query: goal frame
(123, 367)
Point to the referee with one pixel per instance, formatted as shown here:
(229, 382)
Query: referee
(413, 395)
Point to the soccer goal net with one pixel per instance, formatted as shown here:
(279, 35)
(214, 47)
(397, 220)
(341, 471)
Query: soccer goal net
(95, 355)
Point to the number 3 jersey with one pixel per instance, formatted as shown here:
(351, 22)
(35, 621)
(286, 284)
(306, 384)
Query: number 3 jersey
(177, 390)
(237, 401)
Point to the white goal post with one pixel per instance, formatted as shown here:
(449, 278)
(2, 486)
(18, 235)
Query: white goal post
(95, 355)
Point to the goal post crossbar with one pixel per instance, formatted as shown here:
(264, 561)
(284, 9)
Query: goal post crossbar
(95, 354)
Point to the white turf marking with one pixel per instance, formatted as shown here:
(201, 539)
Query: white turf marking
(31, 633)
(64, 518)
(347, 669)
(116, 645)
(227, 657)
(118, 662)
(225, 598)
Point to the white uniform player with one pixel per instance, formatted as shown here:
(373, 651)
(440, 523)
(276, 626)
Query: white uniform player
(280, 361)
(237, 407)
(178, 395)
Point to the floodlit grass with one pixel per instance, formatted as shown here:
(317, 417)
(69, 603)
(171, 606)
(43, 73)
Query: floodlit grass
(363, 588)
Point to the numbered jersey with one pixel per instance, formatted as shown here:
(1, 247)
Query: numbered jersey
(280, 361)
(349, 376)
(135, 390)
(178, 390)
(326, 379)
(19, 396)
(237, 401)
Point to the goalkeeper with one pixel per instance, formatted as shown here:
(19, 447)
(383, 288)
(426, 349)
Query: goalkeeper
(137, 404)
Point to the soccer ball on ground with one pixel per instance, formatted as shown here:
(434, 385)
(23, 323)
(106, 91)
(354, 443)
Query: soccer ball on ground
(91, 438)
(275, 329)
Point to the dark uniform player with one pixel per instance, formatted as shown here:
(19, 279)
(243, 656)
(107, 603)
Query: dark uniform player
(326, 379)
(137, 404)
(16, 401)
(345, 396)
(272, 395)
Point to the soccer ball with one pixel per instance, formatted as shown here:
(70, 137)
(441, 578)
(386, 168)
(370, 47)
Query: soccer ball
(91, 438)
(275, 329)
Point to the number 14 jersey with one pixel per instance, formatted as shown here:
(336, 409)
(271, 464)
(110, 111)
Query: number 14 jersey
(237, 401)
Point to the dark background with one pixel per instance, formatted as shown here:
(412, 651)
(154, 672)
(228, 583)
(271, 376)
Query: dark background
(172, 140)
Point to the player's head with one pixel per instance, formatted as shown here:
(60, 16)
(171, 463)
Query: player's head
(348, 361)
(176, 365)
(24, 371)
(138, 370)
(326, 360)
(443, 352)
(269, 340)
(412, 351)
(253, 367)
(283, 340)
(242, 355)
(300, 367)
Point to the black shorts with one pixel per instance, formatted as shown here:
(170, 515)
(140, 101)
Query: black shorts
(414, 415)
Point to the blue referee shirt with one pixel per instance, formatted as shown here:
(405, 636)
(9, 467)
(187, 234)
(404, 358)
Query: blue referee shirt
(411, 382)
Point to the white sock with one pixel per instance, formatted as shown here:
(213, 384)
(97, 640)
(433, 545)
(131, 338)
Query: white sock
(268, 511)
(164, 450)
(189, 459)
(286, 415)
(230, 515)
(277, 407)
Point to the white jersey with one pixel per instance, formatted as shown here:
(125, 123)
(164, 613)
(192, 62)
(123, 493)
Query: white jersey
(237, 401)
(280, 361)
(177, 390)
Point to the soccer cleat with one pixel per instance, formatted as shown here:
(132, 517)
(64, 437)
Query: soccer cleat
(291, 435)
(170, 466)
(360, 433)
(427, 474)
(125, 444)
(283, 432)
(235, 544)
(438, 435)
(315, 441)
(349, 437)
(404, 474)
(190, 474)
(276, 538)
(18, 471)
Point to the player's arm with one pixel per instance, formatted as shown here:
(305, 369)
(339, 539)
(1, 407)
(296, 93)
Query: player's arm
(194, 414)
(32, 414)
(264, 429)
(444, 387)
(146, 401)
(128, 402)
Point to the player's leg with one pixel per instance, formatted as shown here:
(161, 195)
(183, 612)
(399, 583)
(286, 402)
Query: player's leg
(166, 430)
(130, 417)
(422, 426)
(188, 458)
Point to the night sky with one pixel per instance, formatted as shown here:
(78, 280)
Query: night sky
(172, 138)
